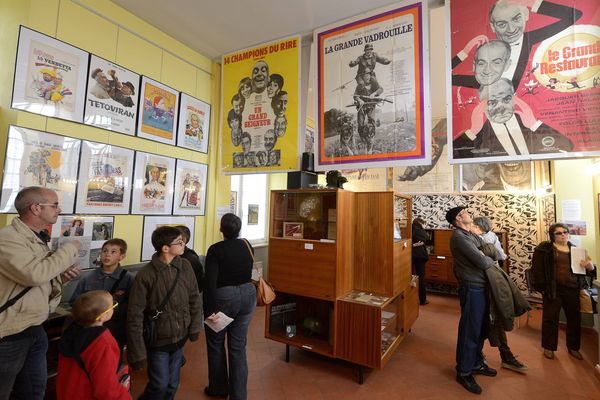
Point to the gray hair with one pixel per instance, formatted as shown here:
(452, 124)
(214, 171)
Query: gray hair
(484, 223)
(29, 196)
(509, 3)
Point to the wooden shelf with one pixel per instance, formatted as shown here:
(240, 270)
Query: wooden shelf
(304, 342)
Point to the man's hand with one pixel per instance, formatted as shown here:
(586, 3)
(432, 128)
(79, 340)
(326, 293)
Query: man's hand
(71, 273)
(525, 112)
(475, 42)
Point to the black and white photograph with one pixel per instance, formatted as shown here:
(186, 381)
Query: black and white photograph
(516, 176)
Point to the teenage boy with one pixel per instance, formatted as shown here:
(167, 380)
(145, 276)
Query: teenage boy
(190, 255)
(114, 279)
(88, 354)
(165, 288)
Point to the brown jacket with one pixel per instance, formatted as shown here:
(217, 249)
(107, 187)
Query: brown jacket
(182, 315)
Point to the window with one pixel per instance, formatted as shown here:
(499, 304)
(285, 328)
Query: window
(251, 205)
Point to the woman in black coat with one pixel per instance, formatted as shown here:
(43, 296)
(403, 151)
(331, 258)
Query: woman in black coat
(419, 255)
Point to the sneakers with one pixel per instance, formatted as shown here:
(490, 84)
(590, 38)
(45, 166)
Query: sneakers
(469, 383)
(514, 364)
(549, 354)
(576, 354)
(484, 370)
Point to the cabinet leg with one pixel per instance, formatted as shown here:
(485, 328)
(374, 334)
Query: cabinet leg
(287, 353)
(361, 376)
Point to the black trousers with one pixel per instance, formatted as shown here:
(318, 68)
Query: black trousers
(420, 271)
(568, 299)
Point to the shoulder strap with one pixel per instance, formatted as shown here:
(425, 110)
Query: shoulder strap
(170, 292)
(249, 249)
(114, 287)
(12, 301)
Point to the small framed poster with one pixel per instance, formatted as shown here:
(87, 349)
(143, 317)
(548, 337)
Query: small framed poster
(190, 188)
(49, 76)
(194, 124)
(158, 111)
(35, 158)
(111, 96)
(293, 230)
(152, 184)
(105, 179)
(90, 232)
(151, 223)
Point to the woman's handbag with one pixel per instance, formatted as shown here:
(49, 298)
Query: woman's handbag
(585, 302)
(265, 293)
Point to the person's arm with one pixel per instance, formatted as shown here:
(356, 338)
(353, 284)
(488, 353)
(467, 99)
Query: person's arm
(567, 16)
(382, 60)
(210, 282)
(354, 63)
(136, 348)
(102, 365)
(33, 268)
(194, 302)
(468, 249)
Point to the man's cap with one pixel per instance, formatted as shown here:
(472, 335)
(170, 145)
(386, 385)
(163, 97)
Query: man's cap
(368, 46)
(453, 212)
(130, 86)
(48, 71)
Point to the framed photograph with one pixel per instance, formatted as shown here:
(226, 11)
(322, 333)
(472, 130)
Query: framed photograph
(49, 76)
(190, 188)
(516, 176)
(252, 214)
(194, 124)
(158, 111)
(111, 96)
(152, 184)
(293, 230)
(90, 231)
(105, 176)
(151, 223)
(35, 158)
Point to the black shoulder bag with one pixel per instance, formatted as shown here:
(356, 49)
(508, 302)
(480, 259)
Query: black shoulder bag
(114, 287)
(151, 316)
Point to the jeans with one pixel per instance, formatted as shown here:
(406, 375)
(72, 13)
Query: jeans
(568, 299)
(163, 374)
(471, 332)
(23, 367)
(239, 303)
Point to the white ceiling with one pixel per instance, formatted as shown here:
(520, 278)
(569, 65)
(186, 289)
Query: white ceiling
(217, 27)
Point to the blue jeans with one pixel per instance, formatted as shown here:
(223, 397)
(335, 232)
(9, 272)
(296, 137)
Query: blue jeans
(471, 328)
(23, 365)
(239, 303)
(163, 374)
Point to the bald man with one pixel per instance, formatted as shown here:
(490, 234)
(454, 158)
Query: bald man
(31, 281)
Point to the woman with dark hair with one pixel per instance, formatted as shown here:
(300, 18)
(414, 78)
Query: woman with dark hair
(420, 256)
(228, 289)
(552, 275)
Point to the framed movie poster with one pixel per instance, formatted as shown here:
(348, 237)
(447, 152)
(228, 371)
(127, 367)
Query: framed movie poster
(194, 124)
(518, 176)
(260, 108)
(524, 82)
(35, 158)
(105, 179)
(49, 76)
(91, 232)
(151, 223)
(158, 111)
(152, 184)
(111, 96)
(373, 89)
(190, 188)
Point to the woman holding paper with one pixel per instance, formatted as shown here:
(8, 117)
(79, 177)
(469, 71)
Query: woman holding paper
(228, 290)
(556, 278)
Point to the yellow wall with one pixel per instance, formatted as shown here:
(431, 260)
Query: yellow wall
(574, 180)
(95, 26)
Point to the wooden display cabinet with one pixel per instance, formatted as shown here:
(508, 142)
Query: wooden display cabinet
(439, 269)
(326, 249)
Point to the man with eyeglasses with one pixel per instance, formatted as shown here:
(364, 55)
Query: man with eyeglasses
(469, 267)
(31, 279)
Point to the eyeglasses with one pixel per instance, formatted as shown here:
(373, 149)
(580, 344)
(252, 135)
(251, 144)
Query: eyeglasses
(561, 233)
(53, 205)
(115, 304)
(177, 243)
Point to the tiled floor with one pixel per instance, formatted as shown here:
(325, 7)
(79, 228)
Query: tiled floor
(422, 368)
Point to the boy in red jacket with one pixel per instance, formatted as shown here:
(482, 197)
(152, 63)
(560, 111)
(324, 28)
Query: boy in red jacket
(88, 354)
